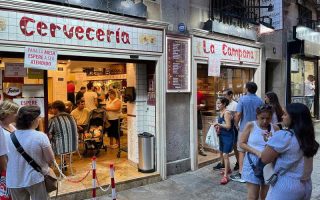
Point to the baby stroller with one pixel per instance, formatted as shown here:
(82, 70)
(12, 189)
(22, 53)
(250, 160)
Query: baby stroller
(93, 136)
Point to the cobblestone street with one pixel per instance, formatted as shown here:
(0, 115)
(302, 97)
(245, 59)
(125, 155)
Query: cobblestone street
(203, 184)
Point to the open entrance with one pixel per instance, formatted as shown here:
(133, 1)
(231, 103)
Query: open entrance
(134, 84)
(209, 89)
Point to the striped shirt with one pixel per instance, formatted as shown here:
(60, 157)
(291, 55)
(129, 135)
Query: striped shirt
(63, 129)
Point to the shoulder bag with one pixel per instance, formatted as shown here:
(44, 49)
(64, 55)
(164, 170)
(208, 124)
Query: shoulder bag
(50, 179)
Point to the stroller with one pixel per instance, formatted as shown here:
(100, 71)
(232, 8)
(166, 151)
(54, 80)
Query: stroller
(93, 136)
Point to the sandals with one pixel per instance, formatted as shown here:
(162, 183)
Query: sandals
(222, 172)
(224, 180)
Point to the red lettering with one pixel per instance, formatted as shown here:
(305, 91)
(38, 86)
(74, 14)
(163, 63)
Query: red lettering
(224, 51)
(23, 25)
(100, 35)
(125, 38)
(212, 48)
(117, 35)
(69, 33)
(41, 26)
(79, 30)
(53, 29)
(88, 33)
(204, 47)
(109, 33)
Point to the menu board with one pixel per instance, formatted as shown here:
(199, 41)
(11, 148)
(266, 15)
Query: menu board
(178, 64)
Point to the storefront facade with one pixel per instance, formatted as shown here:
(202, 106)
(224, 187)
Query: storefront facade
(79, 33)
(238, 62)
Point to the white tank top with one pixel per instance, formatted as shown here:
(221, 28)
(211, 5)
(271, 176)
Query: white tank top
(113, 115)
(255, 139)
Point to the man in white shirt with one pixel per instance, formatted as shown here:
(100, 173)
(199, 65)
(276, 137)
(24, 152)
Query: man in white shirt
(232, 107)
(3, 151)
(91, 97)
(309, 91)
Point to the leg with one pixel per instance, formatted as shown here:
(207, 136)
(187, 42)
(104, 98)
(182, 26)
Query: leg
(200, 143)
(222, 159)
(38, 192)
(111, 141)
(253, 191)
(241, 157)
(226, 163)
(236, 152)
(263, 191)
(19, 194)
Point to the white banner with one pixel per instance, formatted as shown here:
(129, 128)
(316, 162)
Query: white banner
(40, 58)
(225, 51)
(31, 102)
(31, 91)
(214, 66)
(74, 33)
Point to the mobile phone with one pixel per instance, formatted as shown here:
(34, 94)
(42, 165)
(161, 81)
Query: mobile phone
(269, 128)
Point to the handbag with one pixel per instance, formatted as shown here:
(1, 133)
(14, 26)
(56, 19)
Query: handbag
(50, 179)
(266, 172)
(4, 192)
(212, 139)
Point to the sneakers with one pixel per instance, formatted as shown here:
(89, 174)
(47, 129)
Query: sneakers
(236, 167)
(224, 180)
(219, 166)
(237, 178)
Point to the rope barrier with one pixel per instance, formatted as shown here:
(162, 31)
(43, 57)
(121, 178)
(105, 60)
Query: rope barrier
(101, 188)
(68, 179)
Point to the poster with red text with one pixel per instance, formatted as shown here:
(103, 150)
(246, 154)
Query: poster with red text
(40, 58)
(31, 102)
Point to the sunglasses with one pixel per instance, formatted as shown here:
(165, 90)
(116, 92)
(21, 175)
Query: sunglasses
(265, 107)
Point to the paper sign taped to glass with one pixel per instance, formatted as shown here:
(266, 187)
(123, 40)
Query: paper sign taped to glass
(214, 66)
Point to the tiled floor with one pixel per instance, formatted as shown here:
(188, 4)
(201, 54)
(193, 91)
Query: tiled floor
(124, 169)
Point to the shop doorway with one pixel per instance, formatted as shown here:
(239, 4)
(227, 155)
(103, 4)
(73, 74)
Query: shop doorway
(138, 114)
(305, 83)
(209, 89)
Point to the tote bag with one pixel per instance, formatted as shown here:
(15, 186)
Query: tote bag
(212, 139)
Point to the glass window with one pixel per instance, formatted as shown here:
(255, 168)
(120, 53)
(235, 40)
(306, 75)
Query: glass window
(231, 77)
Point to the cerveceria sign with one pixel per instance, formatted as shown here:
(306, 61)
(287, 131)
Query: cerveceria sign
(73, 33)
(77, 32)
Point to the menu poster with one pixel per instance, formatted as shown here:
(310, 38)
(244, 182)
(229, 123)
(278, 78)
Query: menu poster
(178, 64)
(15, 70)
(214, 66)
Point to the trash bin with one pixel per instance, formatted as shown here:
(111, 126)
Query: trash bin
(146, 153)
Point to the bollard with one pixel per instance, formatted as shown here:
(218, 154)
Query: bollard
(94, 175)
(113, 184)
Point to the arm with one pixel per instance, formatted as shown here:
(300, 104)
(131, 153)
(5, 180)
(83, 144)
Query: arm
(237, 118)
(244, 139)
(268, 155)
(116, 106)
(227, 118)
(48, 154)
(3, 163)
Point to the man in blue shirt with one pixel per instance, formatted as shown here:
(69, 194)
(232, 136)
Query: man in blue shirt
(246, 112)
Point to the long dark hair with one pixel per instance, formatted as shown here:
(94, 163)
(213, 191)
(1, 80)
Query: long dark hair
(274, 102)
(302, 125)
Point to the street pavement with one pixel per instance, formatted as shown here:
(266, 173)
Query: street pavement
(203, 184)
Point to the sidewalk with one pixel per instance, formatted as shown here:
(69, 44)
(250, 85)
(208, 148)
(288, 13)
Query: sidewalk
(203, 184)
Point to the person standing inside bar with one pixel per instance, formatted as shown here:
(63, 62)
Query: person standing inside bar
(309, 91)
(201, 104)
(70, 92)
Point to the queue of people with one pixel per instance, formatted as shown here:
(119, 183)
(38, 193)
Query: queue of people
(267, 134)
